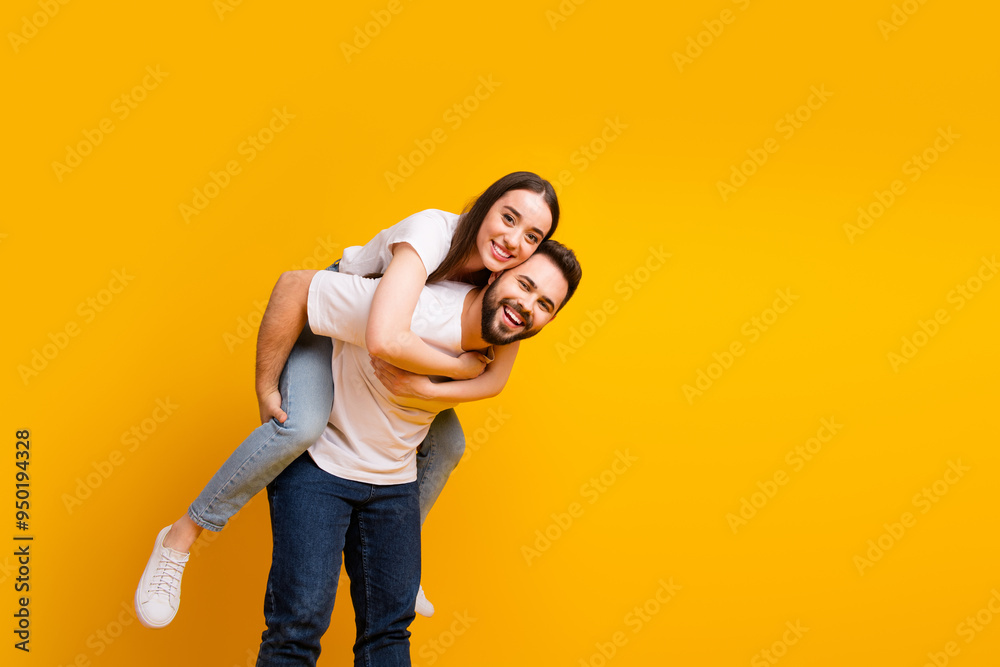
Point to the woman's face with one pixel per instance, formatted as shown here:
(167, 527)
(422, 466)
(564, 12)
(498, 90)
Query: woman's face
(512, 229)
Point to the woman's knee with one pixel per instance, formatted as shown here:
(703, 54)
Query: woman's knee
(303, 427)
(306, 388)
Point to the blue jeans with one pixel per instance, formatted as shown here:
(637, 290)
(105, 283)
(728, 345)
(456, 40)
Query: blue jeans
(314, 517)
(306, 387)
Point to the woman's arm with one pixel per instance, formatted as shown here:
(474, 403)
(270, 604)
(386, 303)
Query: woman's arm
(487, 385)
(388, 335)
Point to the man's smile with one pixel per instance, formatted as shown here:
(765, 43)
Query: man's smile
(513, 316)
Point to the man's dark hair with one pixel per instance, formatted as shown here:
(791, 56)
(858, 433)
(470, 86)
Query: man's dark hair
(566, 260)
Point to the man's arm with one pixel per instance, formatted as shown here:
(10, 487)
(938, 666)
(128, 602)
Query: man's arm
(283, 320)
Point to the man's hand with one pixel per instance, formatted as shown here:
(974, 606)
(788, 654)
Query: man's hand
(400, 382)
(270, 406)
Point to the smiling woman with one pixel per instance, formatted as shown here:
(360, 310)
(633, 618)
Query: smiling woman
(510, 233)
(487, 211)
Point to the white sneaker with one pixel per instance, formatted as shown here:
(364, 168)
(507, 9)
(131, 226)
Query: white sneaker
(159, 593)
(424, 607)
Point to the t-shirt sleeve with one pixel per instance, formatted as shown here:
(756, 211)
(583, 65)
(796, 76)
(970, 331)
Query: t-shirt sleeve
(339, 304)
(428, 232)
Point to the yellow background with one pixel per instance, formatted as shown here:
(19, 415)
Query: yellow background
(604, 380)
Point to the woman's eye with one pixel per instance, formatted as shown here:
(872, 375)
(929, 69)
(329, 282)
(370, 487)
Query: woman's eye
(532, 238)
(508, 218)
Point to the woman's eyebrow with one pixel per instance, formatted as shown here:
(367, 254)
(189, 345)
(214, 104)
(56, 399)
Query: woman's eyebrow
(518, 215)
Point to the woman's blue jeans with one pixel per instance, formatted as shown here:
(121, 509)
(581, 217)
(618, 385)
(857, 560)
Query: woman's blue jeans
(314, 517)
(307, 390)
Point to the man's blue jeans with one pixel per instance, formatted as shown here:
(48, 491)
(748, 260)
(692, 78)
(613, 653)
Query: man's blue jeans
(314, 517)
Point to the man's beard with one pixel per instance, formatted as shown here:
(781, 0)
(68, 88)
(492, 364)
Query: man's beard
(494, 331)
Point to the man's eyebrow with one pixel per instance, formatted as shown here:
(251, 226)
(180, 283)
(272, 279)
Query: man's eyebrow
(534, 288)
(518, 214)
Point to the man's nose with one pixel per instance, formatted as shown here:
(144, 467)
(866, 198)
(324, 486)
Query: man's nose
(527, 306)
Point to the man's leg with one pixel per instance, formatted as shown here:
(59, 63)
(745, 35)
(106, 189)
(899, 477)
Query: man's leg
(382, 557)
(310, 513)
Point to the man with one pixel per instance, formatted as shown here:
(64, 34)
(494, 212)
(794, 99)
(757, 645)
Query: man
(354, 492)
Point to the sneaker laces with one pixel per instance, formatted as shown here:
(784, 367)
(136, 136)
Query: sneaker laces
(166, 580)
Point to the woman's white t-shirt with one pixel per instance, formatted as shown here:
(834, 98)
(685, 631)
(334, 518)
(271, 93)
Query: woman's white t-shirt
(429, 232)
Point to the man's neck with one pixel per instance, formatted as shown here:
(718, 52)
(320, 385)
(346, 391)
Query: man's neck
(472, 320)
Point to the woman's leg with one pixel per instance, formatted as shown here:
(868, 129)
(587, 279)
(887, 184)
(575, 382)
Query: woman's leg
(305, 380)
(437, 456)
(306, 388)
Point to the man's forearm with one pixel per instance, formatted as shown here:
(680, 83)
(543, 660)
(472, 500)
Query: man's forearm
(283, 320)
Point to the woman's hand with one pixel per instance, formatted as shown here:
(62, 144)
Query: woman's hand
(400, 382)
(270, 406)
(472, 365)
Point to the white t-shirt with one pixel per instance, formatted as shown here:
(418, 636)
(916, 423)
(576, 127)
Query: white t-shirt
(372, 435)
(429, 232)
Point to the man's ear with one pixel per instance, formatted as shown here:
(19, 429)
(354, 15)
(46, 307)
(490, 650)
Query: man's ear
(493, 277)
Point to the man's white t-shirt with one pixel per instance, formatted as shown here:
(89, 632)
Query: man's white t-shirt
(372, 435)
(429, 232)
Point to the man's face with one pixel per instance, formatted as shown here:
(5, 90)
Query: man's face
(522, 301)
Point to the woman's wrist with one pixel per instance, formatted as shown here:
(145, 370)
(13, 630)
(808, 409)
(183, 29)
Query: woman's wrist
(430, 390)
